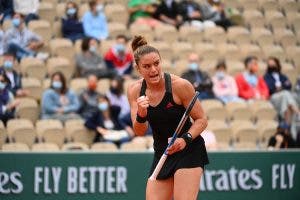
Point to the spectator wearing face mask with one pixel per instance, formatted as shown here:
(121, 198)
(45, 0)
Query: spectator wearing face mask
(71, 27)
(89, 61)
(89, 98)
(224, 85)
(280, 90)
(59, 102)
(200, 79)
(282, 138)
(119, 58)
(251, 86)
(7, 101)
(105, 122)
(94, 21)
(15, 79)
(20, 41)
(1, 41)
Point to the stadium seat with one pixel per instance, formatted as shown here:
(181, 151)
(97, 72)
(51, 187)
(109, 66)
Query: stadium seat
(3, 134)
(207, 51)
(208, 65)
(275, 19)
(103, 85)
(45, 147)
(28, 109)
(166, 33)
(77, 132)
(61, 10)
(244, 131)
(78, 84)
(116, 13)
(47, 11)
(104, 147)
(133, 146)
(289, 5)
(34, 86)
(215, 35)
(266, 128)
(245, 146)
(229, 51)
(116, 28)
(238, 35)
(251, 49)
(142, 29)
(49, 130)
(238, 110)
(290, 71)
(262, 36)
(164, 49)
(180, 66)
(254, 18)
(249, 4)
(84, 7)
(234, 67)
(285, 37)
(190, 34)
(6, 24)
(221, 130)
(15, 147)
(269, 5)
(274, 51)
(106, 45)
(33, 67)
(181, 50)
(75, 146)
(262, 110)
(61, 64)
(214, 109)
(21, 130)
(41, 27)
(62, 47)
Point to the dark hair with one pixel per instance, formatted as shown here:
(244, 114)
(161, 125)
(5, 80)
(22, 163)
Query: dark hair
(140, 47)
(85, 44)
(9, 53)
(75, 6)
(21, 15)
(121, 36)
(6, 79)
(249, 59)
(62, 79)
(277, 61)
(92, 3)
(221, 64)
(120, 83)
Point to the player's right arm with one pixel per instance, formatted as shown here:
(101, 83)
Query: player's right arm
(138, 106)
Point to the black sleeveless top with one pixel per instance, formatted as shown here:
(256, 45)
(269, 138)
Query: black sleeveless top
(165, 117)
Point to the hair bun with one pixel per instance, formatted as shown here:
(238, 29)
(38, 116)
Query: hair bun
(138, 41)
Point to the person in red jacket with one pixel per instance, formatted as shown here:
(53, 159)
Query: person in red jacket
(250, 84)
(119, 58)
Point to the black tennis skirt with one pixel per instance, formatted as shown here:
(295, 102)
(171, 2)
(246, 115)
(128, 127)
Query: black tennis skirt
(194, 155)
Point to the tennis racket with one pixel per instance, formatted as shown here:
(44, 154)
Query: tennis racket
(177, 131)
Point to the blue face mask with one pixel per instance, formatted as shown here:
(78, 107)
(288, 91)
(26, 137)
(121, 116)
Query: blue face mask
(193, 66)
(71, 11)
(220, 75)
(16, 22)
(103, 106)
(2, 86)
(56, 84)
(8, 65)
(120, 48)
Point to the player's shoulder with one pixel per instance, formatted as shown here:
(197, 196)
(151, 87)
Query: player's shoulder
(179, 82)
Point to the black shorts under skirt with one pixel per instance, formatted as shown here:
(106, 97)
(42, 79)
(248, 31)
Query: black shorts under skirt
(194, 155)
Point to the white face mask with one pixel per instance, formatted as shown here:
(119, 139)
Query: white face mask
(99, 8)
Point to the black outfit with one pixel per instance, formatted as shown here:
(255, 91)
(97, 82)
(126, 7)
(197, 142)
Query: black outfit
(164, 119)
(201, 81)
(184, 10)
(270, 81)
(171, 12)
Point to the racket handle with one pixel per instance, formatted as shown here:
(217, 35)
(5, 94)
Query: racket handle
(158, 167)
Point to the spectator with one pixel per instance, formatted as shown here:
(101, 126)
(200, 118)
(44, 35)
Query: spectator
(89, 98)
(119, 58)
(89, 61)
(280, 90)
(59, 102)
(250, 84)
(7, 102)
(71, 27)
(224, 85)
(6, 10)
(282, 139)
(20, 41)
(28, 8)
(141, 12)
(210, 140)
(297, 91)
(1, 41)
(191, 13)
(200, 79)
(105, 123)
(117, 96)
(94, 21)
(213, 10)
(15, 79)
(168, 12)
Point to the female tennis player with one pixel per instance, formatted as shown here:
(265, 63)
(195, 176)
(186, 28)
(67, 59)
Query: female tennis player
(160, 99)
